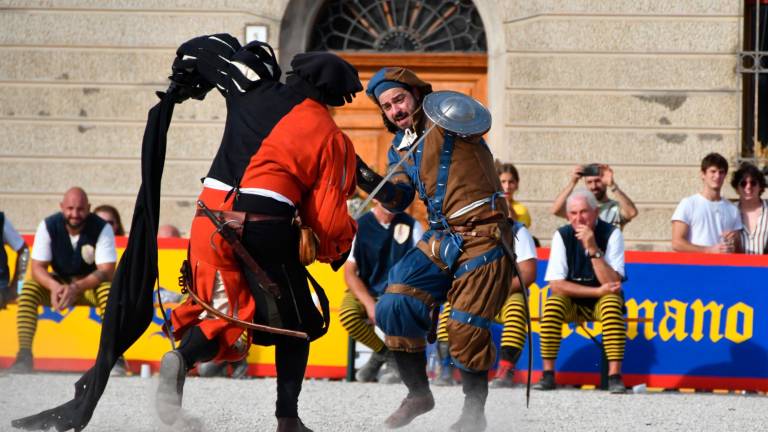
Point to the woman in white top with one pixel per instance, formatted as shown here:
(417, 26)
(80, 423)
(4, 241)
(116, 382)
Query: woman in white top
(750, 183)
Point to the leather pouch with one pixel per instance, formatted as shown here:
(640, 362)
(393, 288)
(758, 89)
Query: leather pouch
(308, 243)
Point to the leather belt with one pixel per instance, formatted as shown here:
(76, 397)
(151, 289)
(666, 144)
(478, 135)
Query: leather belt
(486, 234)
(241, 217)
(470, 231)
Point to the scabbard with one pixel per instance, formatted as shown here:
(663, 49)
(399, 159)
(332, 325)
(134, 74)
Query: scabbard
(245, 324)
(230, 236)
(261, 276)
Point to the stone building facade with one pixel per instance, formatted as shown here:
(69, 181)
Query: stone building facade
(647, 86)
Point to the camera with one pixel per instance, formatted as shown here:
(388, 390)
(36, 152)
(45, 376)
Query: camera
(590, 170)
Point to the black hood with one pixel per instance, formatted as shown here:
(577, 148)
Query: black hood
(324, 77)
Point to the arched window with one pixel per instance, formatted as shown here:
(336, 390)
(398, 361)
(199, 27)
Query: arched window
(753, 65)
(398, 25)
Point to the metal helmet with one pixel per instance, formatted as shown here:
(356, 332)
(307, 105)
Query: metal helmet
(457, 113)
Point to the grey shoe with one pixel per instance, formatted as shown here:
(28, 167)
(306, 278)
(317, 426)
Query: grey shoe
(171, 387)
(472, 417)
(370, 369)
(616, 385)
(120, 368)
(504, 377)
(211, 369)
(240, 369)
(390, 376)
(389, 373)
(547, 381)
(23, 364)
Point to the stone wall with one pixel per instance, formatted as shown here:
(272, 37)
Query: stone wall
(646, 86)
(76, 82)
(649, 87)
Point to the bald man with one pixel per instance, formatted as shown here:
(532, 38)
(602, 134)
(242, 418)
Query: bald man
(168, 231)
(80, 249)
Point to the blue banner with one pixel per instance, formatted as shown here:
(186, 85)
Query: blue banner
(691, 322)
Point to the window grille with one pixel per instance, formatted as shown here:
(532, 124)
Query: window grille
(753, 65)
(398, 25)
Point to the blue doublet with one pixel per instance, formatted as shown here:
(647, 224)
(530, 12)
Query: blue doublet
(377, 250)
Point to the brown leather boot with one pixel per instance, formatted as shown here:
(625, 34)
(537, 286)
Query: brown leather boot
(291, 424)
(472, 417)
(410, 408)
(475, 387)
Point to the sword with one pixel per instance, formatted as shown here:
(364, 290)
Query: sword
(391, 172)
(230, 236)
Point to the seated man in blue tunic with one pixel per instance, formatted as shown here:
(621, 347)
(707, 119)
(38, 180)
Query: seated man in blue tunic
(382, 239)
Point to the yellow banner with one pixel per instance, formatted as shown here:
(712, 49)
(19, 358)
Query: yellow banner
(68, 341)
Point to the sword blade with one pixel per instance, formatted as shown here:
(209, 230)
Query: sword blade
(391, 172)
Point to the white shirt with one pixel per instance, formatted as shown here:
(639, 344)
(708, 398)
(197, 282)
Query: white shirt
(557, 268)
(10, 236)
(104, 251)
(707, 220)
(416, 234)
(525, 248)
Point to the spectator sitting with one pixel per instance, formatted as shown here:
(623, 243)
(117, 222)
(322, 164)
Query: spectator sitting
(749, 182)
(585, 271)
(598, 178)
(705, 222)
(8, 284)
(112, 217)
(80, 248)
(382, 239)
(168, 231)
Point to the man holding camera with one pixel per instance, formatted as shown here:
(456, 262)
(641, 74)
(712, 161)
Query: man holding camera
(598, 178)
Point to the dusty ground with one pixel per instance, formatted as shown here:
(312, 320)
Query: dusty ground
(219, 404)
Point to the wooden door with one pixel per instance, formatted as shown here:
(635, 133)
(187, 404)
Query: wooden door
(361, 120)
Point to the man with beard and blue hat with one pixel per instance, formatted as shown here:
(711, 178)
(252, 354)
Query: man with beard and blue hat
(461, 258)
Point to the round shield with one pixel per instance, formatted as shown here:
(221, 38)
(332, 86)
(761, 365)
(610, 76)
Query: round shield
(457, 113)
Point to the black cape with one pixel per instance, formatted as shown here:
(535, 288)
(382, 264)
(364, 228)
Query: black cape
(129, 307)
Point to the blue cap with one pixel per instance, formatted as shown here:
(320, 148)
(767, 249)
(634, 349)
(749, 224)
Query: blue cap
(379, 84)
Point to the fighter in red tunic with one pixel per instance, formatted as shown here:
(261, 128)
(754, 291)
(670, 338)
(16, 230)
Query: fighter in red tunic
(282, 158)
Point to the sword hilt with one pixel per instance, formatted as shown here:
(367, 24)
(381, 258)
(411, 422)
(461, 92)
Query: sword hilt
(222, 228)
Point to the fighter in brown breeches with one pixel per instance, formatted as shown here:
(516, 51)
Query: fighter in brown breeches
(460, 258)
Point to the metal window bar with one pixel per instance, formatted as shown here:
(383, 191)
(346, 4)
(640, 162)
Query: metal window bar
(753, 65)
(399, 25)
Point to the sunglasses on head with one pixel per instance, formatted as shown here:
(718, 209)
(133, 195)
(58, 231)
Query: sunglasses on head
(746, 182)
